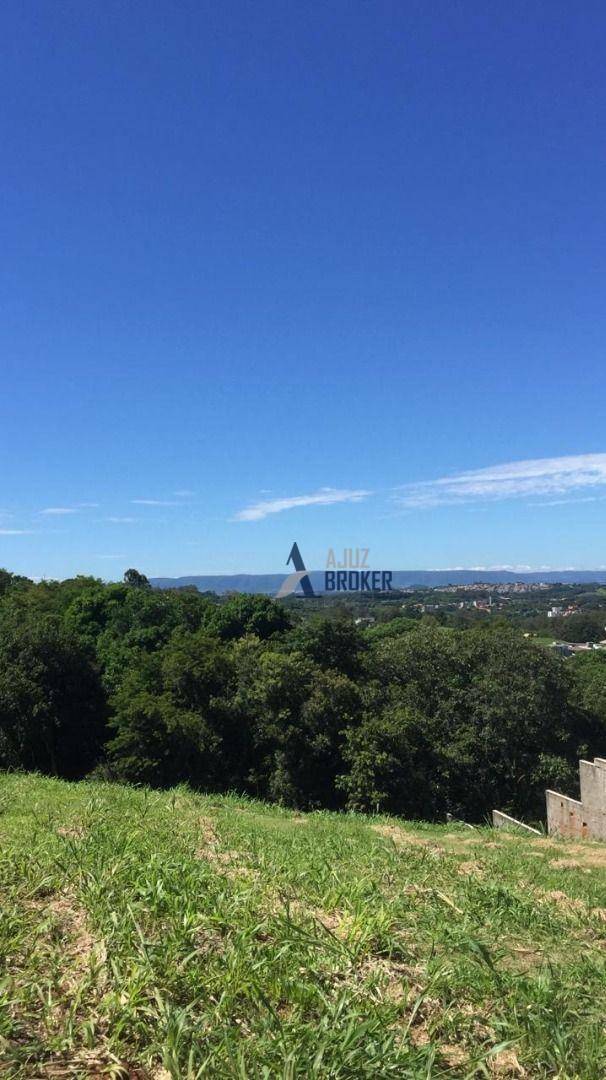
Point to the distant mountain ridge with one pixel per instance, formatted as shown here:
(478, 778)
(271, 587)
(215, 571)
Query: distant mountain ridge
(401, 579)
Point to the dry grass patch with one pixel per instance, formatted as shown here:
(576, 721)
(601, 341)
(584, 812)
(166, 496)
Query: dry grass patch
(564, 902)
(585, 854)
(470, 867)
(76, 944)
(454, 1056)
(232, 863)
(92, 1065)
(506, 1064)
(72, 832)
(77, 941)
(402, 839)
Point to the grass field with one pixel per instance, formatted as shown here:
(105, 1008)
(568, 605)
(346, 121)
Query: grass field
(157, 935)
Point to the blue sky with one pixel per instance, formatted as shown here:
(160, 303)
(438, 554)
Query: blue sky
(328, 272)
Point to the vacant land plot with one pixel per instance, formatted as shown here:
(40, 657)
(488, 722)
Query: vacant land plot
(157, 935)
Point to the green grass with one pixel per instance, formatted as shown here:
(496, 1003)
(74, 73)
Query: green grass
(158, 935)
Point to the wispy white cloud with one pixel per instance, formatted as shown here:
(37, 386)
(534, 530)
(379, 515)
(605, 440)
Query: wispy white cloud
(16, 532)
(121, 520)
(515, 480)
(155, 502)
(510, 567)
(514, 568)
(59, 510)
(323, 497)
(569, 502)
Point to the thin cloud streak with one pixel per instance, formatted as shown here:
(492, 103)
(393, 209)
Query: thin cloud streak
(155, 502)
(16, 532)
(571, 502)
(323, 497)
(511, 568)
(515, 480)
(58, 510)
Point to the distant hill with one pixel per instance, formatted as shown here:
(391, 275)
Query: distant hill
(402, 579)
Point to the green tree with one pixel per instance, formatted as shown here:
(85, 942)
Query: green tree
(172, 718)
(585, 626)
(464, 723)
(8, 581)
(588, 671)
(243, 614)
(297, 714)
(52, 705)
(334, 644)
(392, 764)
(136, 580)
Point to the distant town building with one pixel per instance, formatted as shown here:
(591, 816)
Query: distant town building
(569, 648)
(559, 612)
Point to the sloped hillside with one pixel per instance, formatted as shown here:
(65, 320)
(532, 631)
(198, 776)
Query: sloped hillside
(158, 935)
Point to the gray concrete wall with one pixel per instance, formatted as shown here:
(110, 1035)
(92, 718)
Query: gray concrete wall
(564, 815)
(504, 821)
(569, 817)
(593, 785)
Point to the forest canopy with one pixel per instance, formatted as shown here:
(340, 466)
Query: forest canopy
(243, 693)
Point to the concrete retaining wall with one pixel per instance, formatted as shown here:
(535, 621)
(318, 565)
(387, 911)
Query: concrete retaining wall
(593, 784)
(571, 817)
(504, 821)
(584, 818)
(564, 815)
